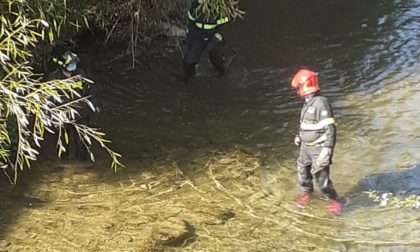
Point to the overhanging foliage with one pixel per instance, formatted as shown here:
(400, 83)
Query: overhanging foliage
(34, 106)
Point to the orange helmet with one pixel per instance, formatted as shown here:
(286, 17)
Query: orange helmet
(306, 82)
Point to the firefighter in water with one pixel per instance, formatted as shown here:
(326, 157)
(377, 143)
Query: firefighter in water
(316, 138)
(204, 32)
(68, 67)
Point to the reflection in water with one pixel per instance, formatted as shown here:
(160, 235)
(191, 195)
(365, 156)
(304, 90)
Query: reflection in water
(367, 54)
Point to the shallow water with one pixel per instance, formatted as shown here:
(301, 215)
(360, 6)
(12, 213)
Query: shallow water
(367, 55)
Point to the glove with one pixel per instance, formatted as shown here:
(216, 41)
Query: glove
(219, 37)
(324, 157)
(298, 141)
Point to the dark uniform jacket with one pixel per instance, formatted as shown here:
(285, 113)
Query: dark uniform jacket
(198, 21)
(84, 88)
(317, 123)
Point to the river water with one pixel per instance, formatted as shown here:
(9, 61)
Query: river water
(178, 141)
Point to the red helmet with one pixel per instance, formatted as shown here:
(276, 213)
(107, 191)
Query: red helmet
(306, 82)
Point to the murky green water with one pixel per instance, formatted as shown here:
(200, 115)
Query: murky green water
(367, 55)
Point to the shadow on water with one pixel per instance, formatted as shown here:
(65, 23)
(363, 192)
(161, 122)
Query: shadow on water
(12, 207)
(27, 194)
(14, 201)
(401, 184)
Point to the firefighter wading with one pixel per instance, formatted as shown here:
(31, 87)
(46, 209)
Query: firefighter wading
(68, 68)
(316, 138)
(203, 33)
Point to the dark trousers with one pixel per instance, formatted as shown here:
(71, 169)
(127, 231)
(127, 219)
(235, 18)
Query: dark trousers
(197, 41)
(80, 149)
(307, 171)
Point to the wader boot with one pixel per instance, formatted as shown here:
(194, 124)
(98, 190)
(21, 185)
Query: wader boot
(303, 200)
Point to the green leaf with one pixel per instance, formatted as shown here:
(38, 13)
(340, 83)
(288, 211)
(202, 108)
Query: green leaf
(51, 36)
(66, 137)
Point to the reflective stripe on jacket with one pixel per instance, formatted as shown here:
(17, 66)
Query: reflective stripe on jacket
(204, 23)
